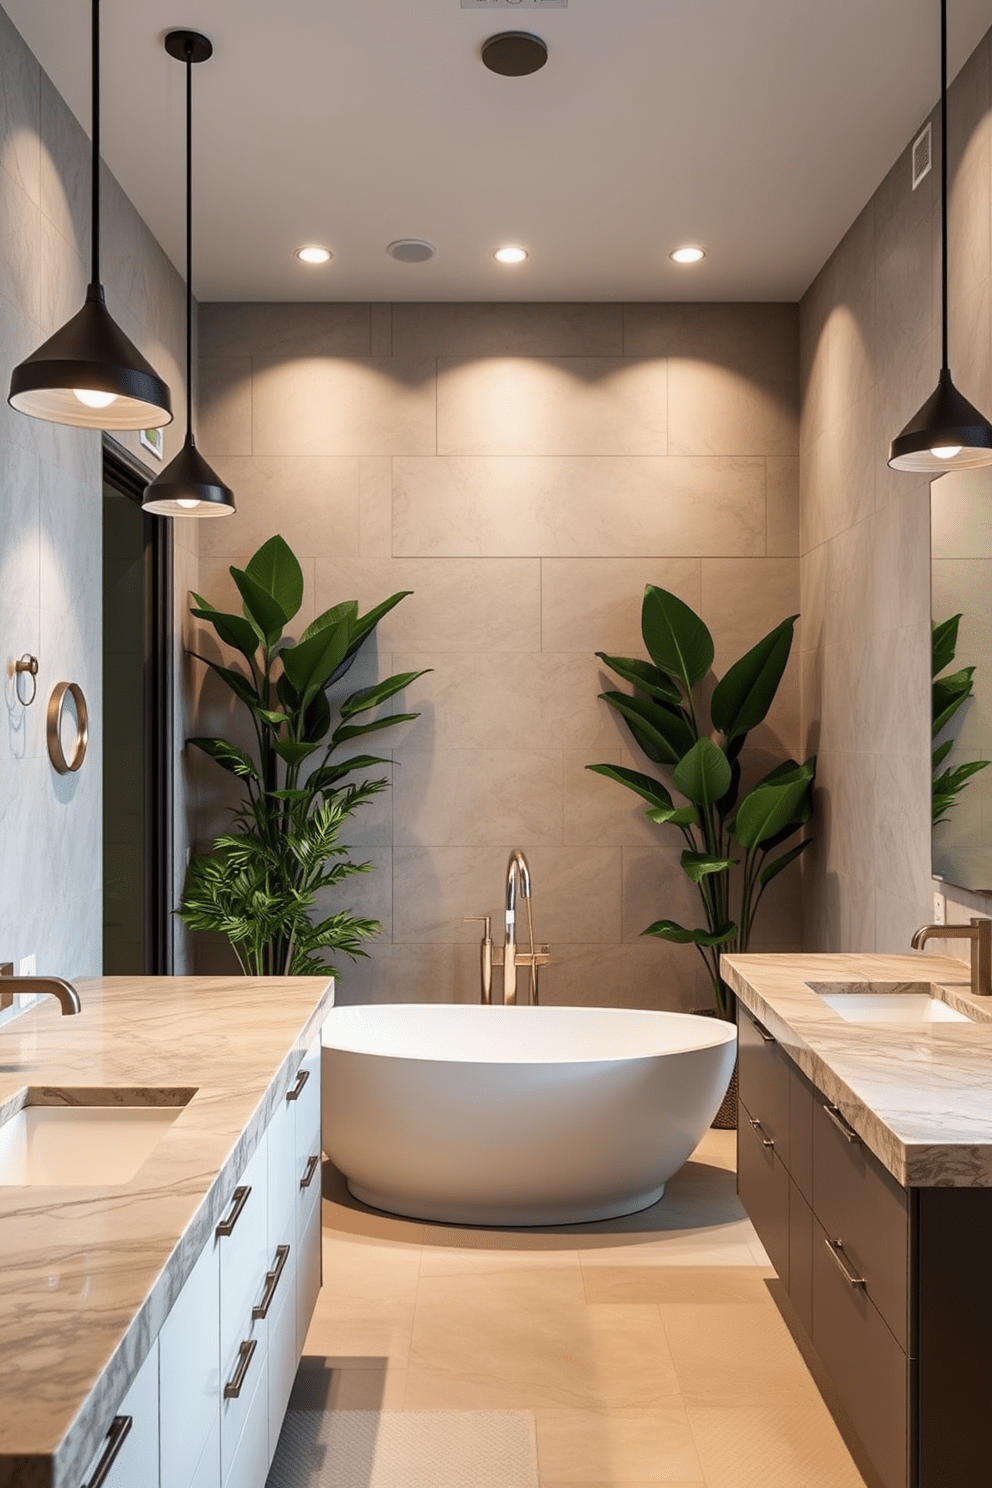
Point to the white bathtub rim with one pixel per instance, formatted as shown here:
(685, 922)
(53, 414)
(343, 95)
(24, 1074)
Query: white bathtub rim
(482, 1216)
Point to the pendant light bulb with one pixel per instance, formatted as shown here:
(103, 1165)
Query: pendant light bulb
(188, 487)
(948, 432)
(90, 366)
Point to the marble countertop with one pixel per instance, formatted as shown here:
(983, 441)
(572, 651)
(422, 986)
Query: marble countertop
(88, 1275)
(920, 1096)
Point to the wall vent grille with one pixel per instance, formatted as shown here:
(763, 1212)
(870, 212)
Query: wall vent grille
(922, 155)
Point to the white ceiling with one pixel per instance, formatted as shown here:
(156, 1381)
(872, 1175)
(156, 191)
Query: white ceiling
(758, 128)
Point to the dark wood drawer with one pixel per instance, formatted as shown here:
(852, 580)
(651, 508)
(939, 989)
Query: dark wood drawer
(764, 1076)
(801, 1257)
(861, 1205)
(801, 1098)
(763, 1185)
(871, 1373)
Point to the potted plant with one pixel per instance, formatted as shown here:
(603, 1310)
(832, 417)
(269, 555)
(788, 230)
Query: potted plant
(950, 693)
(259, 885)
(731, 844)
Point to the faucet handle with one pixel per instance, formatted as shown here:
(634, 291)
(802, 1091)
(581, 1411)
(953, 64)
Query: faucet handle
(488, 923)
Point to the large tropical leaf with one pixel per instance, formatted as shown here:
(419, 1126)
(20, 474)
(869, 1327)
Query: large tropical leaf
(234, 630)
(329, 775)
(767, 810)
(233, 760)
(643, 675)
(309, 664)
(265, 613)
(944, 643)
(661, 732)
(675, 816)
(679, 935)
(773, 869)
(344, 732)
(292, 752)
(366, 623)
(276, 568)
(949, 693)
(700, 865)
(742, 697)
(240, 685)
(371, 697)
(703, 774)
(677, 640)
(646, 786)
(347, 611)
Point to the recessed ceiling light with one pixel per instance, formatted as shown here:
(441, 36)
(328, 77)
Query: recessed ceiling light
(687, 255)
(411, 250)
(314, 255)
(510, 255)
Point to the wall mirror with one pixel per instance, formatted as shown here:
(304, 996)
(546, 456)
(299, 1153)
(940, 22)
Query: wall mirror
(961, 583)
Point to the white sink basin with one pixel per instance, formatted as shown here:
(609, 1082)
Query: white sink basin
(887, 1002)
(80, 1145)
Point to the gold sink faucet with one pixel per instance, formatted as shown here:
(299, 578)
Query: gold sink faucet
(64, 992)
(979, 932)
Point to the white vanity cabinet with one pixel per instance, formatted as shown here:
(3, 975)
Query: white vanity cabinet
(129, 1454)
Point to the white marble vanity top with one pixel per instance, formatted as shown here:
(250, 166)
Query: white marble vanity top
(919, 1095)
(88, 1275)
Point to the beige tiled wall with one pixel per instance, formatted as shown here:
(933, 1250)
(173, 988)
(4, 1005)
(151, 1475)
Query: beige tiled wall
(525, 470)
(870, 352)
(50, 508)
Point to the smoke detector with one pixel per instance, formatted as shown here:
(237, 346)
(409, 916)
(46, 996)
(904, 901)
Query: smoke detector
(411, 250)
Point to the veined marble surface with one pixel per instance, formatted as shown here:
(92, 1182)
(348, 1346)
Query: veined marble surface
(89, 1275)
(919, 1095)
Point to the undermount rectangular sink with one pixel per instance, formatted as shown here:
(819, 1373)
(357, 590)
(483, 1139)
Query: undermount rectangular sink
(82, 1145)
(887, 1002)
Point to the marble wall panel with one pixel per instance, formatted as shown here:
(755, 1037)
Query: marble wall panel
(573, 507)
(594, 604)
(554, 406)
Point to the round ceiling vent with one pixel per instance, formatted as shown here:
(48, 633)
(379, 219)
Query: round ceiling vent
(411, 250)
(514, 53)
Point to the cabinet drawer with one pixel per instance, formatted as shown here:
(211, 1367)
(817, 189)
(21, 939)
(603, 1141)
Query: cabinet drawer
(245, 1461)
(860, 1204)
(283, 1361)
(763, 1186)
(801, 1098)
(248, 1374)
(190, 1372)
(869, 1370)
(282, 1175)
(307, 1104)
(135, 1464)
(308, 1272)
(764, 1080)
(801, 1257)
(244, 1253)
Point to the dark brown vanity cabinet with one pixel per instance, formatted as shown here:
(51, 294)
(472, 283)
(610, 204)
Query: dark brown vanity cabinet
(893, 1286)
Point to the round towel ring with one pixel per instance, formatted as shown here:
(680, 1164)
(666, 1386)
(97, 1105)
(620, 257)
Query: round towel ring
(56, 705)
(27, 666)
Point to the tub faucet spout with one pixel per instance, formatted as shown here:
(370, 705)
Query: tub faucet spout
(64, 992)
(517, 872)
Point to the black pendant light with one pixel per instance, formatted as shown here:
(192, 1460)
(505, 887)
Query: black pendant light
(948, 432)
(89, 373)
(187, 487)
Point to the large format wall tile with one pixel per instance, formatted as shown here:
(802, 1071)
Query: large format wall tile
(553, 330)
(312, 501)
(284, 331)
(594, 604)
(468, 797)
(319, 405)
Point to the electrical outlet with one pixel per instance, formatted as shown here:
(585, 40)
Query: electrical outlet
(27, 966)
(939, 908)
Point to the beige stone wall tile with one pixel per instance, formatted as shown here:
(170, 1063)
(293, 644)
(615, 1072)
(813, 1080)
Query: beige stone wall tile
(224, 405)
(505, 329)
(646, 973)
(838, 476)
(655, 887)
(838, 359)
(334, 405)
(465, 797)
(744, 597)
(366, 894)
(554, 406)
(20, 276)
(455, 604)
(381, 330)
(20, 110)
(285, 330)
(813, 567)
(508, 700)
(400, 973)
(574, 896)
(599, 811)
(969, 213)
(375, 506)
(720, 410)
(900, 391)
(313, 502)
(594, 604)
(782, 506)
(571, 507)
(970, 336)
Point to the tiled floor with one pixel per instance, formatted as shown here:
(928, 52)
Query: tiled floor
(648, 1348)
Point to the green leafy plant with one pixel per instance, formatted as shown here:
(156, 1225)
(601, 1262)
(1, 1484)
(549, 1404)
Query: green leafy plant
(949, 694)
(259, 886)
(722, 833)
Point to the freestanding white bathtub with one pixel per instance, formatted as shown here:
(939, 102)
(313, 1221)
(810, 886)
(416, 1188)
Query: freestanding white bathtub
(517, 1115)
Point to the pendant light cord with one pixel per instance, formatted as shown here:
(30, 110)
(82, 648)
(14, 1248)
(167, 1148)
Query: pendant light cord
(95, 131)
(945, 364)
(189, 240)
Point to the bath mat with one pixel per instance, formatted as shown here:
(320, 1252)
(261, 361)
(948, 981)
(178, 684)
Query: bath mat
(405, 1449)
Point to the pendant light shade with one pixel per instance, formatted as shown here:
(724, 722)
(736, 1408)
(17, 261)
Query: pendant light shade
(89, 373)
(948, 432)
(187, 487)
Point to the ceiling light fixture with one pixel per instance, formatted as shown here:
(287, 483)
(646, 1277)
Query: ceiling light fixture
(514, 53)
(948, 432)
(314, 255)
(89, 374)
(187, 487)
(510, 255)
(687, 255)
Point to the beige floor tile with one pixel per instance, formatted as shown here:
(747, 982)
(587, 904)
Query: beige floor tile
(617, 1446)
(524, 1339)
(735, 1355)
(345, 1215)
(378, 1332)
(713, 1286)
(782, 1446)
(326, 1382)
(455, 1260)
(381, 1270)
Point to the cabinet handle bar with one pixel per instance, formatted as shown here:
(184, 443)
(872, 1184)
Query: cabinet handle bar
(119, 1428)
(233, 1387)
(842, 1126)
(765, 1141)
(836, 1249)
(313, 1163)
(271, 1282)
(297, 1089)
(239, 1199)
(769, 1038)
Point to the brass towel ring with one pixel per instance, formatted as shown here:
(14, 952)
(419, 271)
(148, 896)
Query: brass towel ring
(56, 704)
(28, 665)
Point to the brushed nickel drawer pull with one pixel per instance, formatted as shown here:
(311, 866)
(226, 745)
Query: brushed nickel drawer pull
(297, 1089)
(768, 1038)
(842, 1126)
(233, 1387)
(836, 1249)
(239, 1199)
(260, 1310)
(313, 1163)
(765, 1141)
(119, 1428)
